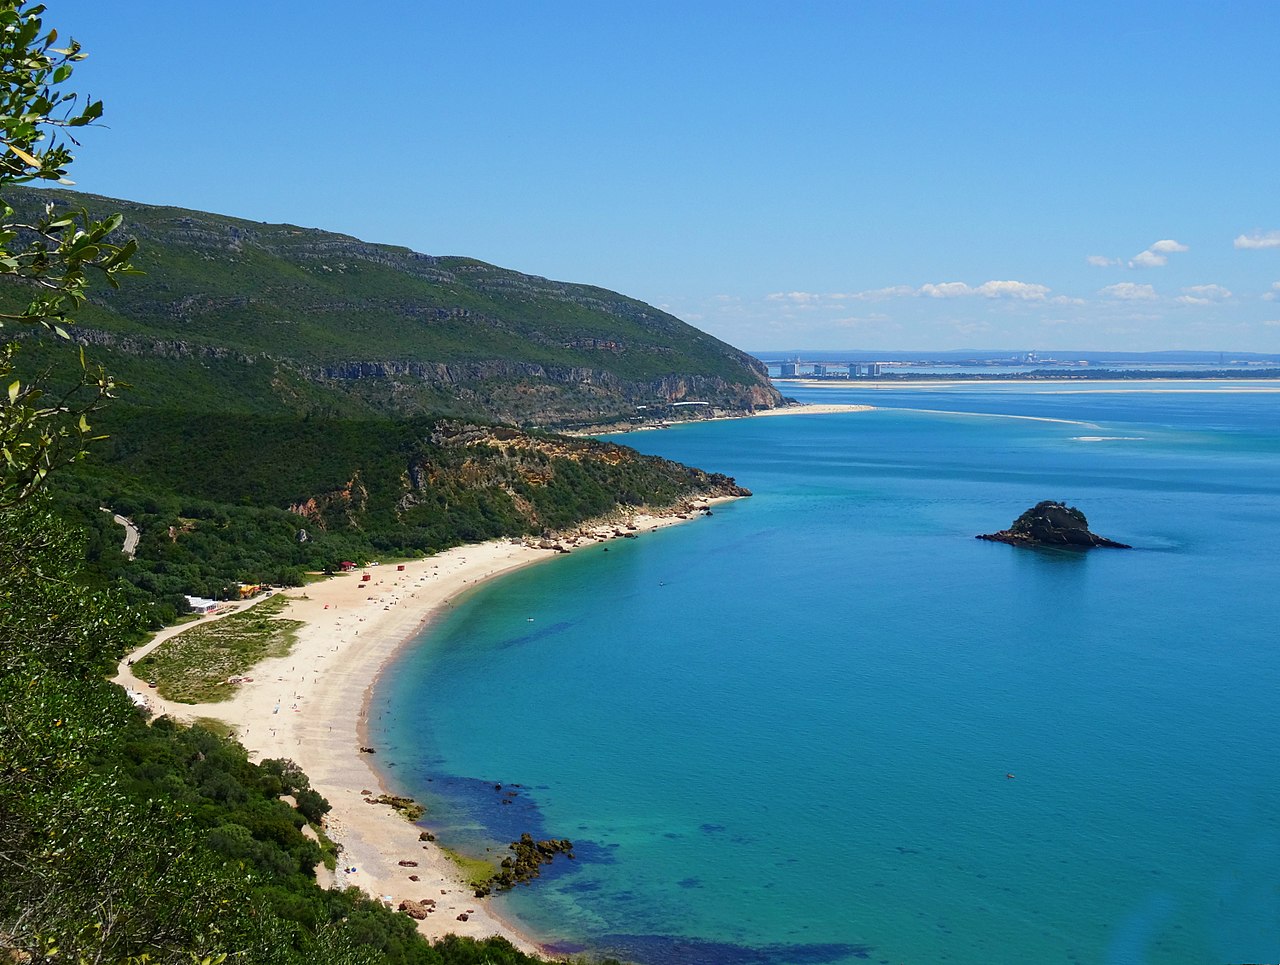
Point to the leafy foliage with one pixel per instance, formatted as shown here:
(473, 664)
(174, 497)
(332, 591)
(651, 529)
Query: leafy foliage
(217, 503)
(46, 254)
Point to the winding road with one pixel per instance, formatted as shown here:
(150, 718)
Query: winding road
(131, 534)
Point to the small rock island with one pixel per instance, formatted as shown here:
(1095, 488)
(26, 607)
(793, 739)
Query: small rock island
(1052, 524)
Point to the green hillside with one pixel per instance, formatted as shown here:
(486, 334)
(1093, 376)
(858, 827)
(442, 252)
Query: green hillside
(296, 397)
(260, 317)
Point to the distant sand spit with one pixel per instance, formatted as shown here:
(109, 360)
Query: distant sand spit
(311, 707)
(1001, 415)
(816, 408)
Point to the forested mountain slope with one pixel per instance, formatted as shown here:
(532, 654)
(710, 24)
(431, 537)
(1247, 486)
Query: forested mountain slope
(277, 317)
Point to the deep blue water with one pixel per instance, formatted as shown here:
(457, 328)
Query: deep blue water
(782, 734)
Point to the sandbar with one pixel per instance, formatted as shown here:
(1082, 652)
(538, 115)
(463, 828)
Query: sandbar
(310, 707)
(814, 408)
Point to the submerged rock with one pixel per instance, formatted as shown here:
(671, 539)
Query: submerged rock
(1049, 523)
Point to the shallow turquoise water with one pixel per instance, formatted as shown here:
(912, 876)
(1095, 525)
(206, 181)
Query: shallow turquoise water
(782, 734)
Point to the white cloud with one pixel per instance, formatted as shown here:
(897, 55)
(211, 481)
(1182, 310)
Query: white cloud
(946, 289)
(1208, 291)
(1259, 240)
(1274, 294)
(1203, 295)
(1101, 261)
(1148, 259)
(1020, 290)
(1272, 322)
(796, 298)
(1129, 292)
(879, 294)
(1013, 289)
(1157, 255)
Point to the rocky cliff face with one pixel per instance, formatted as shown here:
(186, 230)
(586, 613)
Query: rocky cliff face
(1051, 523)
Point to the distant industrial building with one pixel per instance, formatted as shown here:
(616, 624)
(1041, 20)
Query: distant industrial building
(790, 370)
(864, 370)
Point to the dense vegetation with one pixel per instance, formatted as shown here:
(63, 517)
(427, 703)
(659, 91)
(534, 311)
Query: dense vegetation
(264, 500)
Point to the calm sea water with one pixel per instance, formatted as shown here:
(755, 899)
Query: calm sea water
(783, 734)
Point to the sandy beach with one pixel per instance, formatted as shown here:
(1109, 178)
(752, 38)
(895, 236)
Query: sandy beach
(310, 707)
(815, 408)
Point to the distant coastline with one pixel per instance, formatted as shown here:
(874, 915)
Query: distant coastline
(1036, 377)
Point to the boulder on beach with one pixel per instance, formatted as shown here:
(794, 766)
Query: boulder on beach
(414, 909)
(1050, 523)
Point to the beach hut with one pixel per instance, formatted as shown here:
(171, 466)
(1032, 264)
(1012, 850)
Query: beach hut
(346, 566)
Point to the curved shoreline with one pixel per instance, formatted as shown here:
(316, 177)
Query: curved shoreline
(311, 706)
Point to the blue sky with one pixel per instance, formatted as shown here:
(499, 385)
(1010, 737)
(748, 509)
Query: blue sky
(783, 175)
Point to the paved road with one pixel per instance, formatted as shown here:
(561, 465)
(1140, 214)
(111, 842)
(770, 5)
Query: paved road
(131, 534)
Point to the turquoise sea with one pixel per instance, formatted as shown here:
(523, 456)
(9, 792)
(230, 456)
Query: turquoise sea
(783, 734)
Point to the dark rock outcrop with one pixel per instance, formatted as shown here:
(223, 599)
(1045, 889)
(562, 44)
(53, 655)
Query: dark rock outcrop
(526, 864)
(1050, 523)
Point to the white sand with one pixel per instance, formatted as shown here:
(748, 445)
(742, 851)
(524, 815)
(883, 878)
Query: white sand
(815, 408)
(310, 707)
